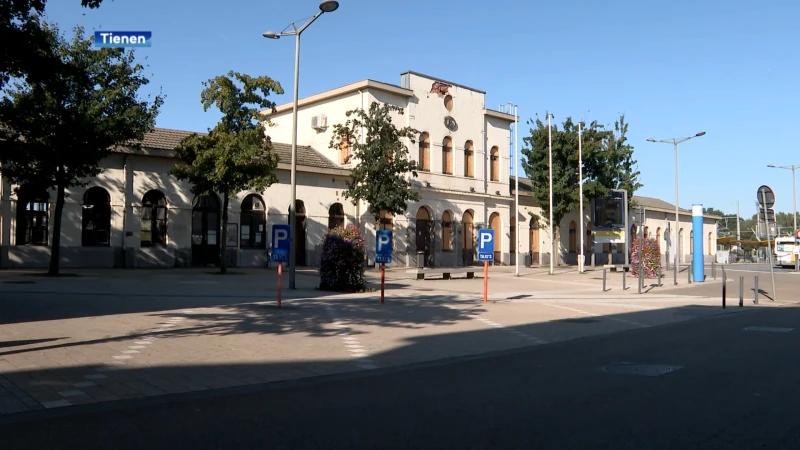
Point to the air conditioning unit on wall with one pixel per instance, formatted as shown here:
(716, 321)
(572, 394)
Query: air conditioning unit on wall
(319, 122)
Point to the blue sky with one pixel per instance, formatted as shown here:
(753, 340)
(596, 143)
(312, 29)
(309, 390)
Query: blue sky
(672, 67)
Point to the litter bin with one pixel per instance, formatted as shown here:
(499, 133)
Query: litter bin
(420, 260)
(528, 259)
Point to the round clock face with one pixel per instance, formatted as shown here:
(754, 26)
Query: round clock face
(450, 123)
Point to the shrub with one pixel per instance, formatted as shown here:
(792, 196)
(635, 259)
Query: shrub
(342, 264)
(651, 257)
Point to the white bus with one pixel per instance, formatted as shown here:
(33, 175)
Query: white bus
(785, 251)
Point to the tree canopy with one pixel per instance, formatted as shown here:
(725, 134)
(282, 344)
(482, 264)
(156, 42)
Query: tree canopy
(382, 163)
(607, 163)
(56, 131)
(236, 155)
(27, 52)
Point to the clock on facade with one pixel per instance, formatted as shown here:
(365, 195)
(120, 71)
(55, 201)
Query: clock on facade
(450, 123)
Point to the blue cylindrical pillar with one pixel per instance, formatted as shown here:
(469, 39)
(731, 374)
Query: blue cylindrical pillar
(697, 246)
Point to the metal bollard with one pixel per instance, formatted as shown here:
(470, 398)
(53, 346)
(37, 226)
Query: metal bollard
(756, 291)
(641, 279)
(724, 286)
(689, 273)
(659, 275)
(741, 292)
(714, 271)
(624, 275)
(604, 280)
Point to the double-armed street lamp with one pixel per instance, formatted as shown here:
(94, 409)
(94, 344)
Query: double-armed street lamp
(676, 236)
(293, 30)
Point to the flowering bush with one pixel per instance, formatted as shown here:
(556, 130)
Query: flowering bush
(650, 255)
(342, 264)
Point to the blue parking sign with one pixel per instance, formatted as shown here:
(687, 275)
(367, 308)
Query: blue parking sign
(281, 242)
(383, 247)
(486, 245)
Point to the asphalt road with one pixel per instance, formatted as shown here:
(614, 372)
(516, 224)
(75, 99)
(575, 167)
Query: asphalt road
(736, 390)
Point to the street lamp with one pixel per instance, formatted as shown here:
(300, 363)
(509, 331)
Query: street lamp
(326, 6)
(675, 143)
(794, 207)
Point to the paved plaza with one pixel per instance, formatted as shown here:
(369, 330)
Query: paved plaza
(104, 336)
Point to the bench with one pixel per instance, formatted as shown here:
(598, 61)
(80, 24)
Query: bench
(617, 267)
(445, 272)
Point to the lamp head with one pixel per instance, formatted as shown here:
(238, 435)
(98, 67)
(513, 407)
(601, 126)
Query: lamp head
(329, 6)
(700, 134)
(271, 35)
(650, 140)
(770, 165)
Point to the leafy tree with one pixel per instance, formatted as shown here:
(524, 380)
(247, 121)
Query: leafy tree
(535, 163)
(382, 160)
(58, 130)
(27, 52)
(607, 164)
(237, 154)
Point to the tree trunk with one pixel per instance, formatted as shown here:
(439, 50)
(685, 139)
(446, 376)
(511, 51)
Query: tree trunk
(55, 249)
(223, 261)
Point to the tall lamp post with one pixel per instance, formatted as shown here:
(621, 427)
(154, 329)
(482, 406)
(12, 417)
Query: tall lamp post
(326, 6)
(550, 166)
(794, 206)
(675, 143)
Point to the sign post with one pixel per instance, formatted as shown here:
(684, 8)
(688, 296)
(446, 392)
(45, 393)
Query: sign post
(766, 198)
(383, 253)
(281, 240)
(485, 254)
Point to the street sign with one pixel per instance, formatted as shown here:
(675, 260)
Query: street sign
(486, 245)
(383, 247)
(766, 195)
(281, 241)
(769, 215)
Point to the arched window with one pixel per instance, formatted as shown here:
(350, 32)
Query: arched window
(710, 246)
(447, 156)
(154, 219)
(96, 218)
(447, 231)
(336, 216)
(32, 216)
(424, 152)
(512, 233)
(469, 160)
(647, 232)
(658, 237)
(344, 151)
(494, 160)
(253, 232)
(691, 242)
(496, 224)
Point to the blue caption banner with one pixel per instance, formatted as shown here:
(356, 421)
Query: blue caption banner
(122, 39)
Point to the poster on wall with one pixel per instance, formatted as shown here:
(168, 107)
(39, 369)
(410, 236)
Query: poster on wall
(232, 235)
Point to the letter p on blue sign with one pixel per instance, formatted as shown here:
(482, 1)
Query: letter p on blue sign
(383, 246)
(281, 242)
(486, 245)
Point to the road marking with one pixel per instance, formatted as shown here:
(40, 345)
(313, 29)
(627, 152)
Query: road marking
(122, 357)
(136, 347)
(498, 326)
(769, 329)
(129, 352)
(73, 393)
(616, 319)
(352, 344)
(56, 404)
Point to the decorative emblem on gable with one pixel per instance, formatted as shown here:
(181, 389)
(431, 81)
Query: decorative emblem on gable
(440, 88)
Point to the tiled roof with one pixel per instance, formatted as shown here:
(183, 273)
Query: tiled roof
(525, 185)
(650, 202)
(167, 139)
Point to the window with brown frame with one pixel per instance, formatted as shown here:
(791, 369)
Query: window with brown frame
(425, 153)
(469, 160)
(447, 231)
(494, 158)
(447, 156)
